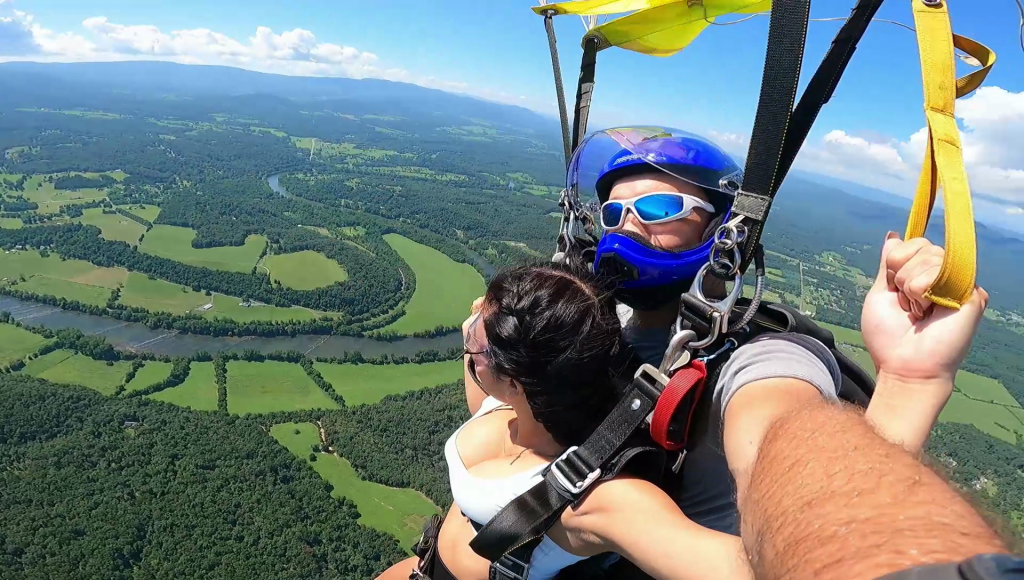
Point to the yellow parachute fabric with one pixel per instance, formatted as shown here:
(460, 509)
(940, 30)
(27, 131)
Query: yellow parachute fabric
(943, 162)
(599, 7)
(658, 27)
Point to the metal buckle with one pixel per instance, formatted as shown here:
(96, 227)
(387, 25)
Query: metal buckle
(563, 480)
(677, 347)
(500, 568)
(721, 308)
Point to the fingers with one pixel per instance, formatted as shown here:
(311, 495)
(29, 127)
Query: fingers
(477, 304)
(911, 268)
(892, 239)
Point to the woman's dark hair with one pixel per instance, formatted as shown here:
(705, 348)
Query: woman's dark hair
(554, 331)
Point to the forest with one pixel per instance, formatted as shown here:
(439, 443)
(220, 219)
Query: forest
(117, 488)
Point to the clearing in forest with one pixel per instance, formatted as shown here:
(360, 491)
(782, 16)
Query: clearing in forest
(364, 383)
(17, 343)
(50, 199)
(233, 308)
(10, 224)
(979, 401)
(113, 226)
(144, 211)
(399, 512)
(160, 296)
(151, 374)
(272, 386)
(444, 288)
(304, 270)
(70, 279)
(65, 367)
(198, 392)
(175, 243)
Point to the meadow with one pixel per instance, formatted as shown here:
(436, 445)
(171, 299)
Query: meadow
(231, 307)
(66, 367)
(17, 343)
(399, 512)
(304, 270)
(30, 262)
(444, 288)
(146, 212)
(113, 226)
(977, 400)
(152, 373)
(10, 224)
(160, 296)
(363, 384)
(198, 392)
(272, 386)
(175, 243)
(44, 285)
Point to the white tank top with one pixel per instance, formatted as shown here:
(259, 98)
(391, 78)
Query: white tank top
(481, 499)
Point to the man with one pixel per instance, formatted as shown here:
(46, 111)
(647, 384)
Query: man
(663, 193)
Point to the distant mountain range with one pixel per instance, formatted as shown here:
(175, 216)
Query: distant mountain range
(29, 84)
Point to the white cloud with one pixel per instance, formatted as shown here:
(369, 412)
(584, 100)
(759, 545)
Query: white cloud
(992, 122)
(292, 52)
(1015, 211)
(733, 143)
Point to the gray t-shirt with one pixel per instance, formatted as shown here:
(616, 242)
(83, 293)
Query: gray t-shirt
(708, 492)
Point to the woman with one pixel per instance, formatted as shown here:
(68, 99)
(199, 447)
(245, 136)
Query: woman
(539, 380)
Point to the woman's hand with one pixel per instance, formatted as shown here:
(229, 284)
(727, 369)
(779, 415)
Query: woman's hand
(474, 309)
(917, 346)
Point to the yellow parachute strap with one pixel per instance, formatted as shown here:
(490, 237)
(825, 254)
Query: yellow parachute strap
(665, 28)
(598, 7)
(943, 163)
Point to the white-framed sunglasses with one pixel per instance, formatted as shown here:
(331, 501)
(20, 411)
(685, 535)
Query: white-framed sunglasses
(652, 208)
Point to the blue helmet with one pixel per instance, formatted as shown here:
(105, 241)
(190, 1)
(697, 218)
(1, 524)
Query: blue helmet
(650, 276)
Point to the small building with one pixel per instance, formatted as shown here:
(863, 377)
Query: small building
(132, 424)
(206, 307)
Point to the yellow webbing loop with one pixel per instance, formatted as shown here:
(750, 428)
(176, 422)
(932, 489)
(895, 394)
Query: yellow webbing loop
(943, 163)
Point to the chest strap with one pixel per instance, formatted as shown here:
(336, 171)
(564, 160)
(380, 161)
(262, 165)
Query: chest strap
(509, 538)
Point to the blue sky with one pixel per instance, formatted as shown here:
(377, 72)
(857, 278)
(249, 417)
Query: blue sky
(496, 49)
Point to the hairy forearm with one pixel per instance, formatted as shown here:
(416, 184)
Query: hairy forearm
(903, 411)
(829, 498)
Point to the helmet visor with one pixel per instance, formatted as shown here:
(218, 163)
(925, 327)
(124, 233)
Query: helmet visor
(609, 155)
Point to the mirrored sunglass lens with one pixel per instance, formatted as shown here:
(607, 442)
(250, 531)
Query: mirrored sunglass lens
(611, 215)
(659, 207)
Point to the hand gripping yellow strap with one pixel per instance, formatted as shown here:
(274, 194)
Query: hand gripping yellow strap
(943, 162)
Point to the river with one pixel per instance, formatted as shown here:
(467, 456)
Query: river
(139, 337)
(274, 181)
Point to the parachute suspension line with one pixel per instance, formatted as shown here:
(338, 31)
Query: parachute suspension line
(556, 68)
(584, 92)
(1020, 9)
(755, 301)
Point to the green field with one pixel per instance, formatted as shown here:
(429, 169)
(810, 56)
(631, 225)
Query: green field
(175, 243)
(146, 212)
(160, 296)
(44, 285)
(151, 374)
(10, 224)
(399, 512)
(51, 199)
(979, 401)
(113, 226)
(29, 262)
(230, 307)
(61, 366)
(444, 288)
(199, 391)
(362, 384)
(17, 343)
(272, 386)
(304, 270)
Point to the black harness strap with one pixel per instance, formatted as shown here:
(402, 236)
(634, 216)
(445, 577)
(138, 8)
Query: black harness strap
(787, 34)
(556, 69)
(584, 91)
(511, 535)
(770, 159)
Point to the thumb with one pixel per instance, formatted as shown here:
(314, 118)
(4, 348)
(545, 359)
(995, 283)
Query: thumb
(892, 239)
